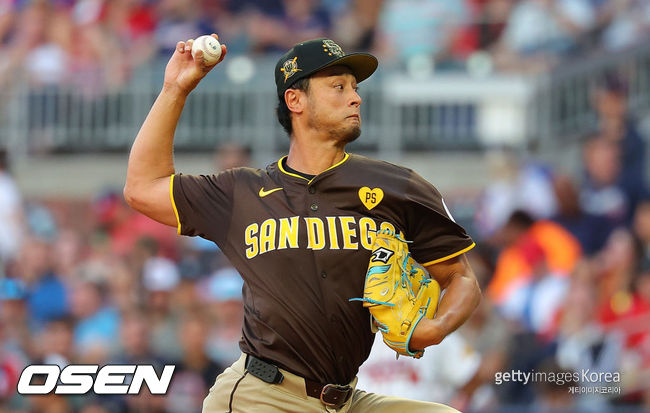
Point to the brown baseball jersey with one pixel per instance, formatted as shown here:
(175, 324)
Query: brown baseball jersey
(302, 247)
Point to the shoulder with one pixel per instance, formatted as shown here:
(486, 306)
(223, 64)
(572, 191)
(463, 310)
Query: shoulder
(238, 174)
(380, 167)
(389, 172)
(401, 179)
(244, 172)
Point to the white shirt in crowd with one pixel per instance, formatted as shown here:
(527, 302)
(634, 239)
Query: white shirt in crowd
(437, 376)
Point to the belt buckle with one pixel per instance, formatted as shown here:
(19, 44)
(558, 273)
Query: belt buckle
(324, 392)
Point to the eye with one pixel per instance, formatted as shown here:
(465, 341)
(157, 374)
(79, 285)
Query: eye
(338, 86)
(356, 89)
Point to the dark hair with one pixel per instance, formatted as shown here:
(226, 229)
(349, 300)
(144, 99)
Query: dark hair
(283, 112)
(614, 82)
(4, 159)
(521, 219)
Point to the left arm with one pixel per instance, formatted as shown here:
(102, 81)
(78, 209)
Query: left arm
(462, 296)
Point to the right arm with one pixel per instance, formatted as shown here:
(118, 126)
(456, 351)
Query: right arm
(151, 161)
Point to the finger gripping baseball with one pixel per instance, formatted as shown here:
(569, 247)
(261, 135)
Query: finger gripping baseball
(398, 292)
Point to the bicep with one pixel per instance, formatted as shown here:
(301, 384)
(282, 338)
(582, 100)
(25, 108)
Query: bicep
(155, 201)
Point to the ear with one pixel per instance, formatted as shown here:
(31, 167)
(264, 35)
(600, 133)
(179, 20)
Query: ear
(295, 100)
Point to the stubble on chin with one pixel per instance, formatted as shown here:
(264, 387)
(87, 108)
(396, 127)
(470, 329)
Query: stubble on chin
(351, 134)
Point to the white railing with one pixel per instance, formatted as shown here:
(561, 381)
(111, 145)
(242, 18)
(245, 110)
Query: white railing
(446, 111)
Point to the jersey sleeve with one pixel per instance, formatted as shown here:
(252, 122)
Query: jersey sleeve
(203, 204)
(436, 236)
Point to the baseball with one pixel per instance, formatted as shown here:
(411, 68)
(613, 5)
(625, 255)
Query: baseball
(210, 46)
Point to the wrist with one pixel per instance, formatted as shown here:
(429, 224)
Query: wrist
(174, 91)
(428, 332)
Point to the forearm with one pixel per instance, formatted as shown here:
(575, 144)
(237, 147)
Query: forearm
(151, 162)
(461, 298)
(151, 156)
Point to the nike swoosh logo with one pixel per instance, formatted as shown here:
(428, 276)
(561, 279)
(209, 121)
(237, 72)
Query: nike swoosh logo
(264, 193)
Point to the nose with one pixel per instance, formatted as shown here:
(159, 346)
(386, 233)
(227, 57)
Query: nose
(355, 99)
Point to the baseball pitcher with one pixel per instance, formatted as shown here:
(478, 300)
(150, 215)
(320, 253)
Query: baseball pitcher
(333, 247)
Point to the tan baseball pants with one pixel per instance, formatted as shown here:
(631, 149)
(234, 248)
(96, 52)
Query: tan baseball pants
(236, 391)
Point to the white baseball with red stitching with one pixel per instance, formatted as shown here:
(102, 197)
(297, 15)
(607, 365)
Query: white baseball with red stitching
(210, 46)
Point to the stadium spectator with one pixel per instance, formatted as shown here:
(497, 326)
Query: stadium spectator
(135, 348)
(11, 212)
(602, 194)
(539, 32)
(49, 403)
(534, 302)
(641, 228)
(14, 319)
(47, 294)
(195, 372)
(222, 293)
(133, 24)
(416, 34)
(56, 342)
(626, 22)
(96, 321)
(178, 19)
(231, 155)
(440, 375)
(354, 24)
(490, 337)
(515, 184)
(305, 19)
(125, 228)
(582, 342)
(490, 21)
(590, 230)
(618, 125)
(68, 252)
(523, 240)
(160, 278)
(273, 30)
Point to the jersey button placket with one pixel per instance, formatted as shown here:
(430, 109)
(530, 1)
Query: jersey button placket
(314, 207)
(311, 190)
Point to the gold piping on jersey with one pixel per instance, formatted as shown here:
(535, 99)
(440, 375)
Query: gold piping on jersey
(455, 254)
(171, 196)
(345, 158)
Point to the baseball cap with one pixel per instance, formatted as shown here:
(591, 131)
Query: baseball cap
(310, 56)
(160, 274)
(225, 285)
(12, 289)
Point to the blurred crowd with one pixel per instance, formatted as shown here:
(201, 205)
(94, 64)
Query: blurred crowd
(99, 43)
(95, 283)
(564, 263)
(563, 259)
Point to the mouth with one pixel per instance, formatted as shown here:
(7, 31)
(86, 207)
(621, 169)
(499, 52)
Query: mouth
(355, 116)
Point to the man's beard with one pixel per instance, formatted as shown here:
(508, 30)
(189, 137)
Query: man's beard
(346, 135)
(342, 133)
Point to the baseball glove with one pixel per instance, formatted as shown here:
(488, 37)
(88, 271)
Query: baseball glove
(398, 292)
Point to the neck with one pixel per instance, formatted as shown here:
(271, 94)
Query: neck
(313, 157)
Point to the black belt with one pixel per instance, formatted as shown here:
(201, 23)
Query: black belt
(332, 395)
